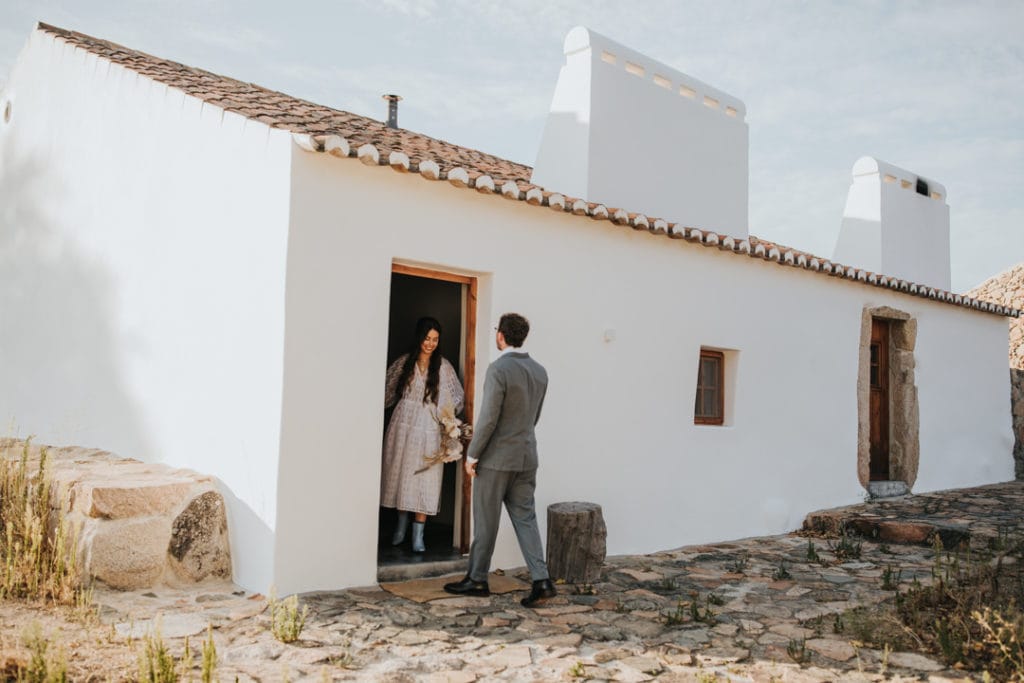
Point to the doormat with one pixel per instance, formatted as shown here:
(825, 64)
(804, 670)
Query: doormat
(425, 590)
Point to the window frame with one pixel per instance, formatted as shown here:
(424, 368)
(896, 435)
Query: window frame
(718, 420)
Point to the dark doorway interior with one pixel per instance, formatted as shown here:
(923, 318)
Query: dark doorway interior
(411, 299)
(879, 402)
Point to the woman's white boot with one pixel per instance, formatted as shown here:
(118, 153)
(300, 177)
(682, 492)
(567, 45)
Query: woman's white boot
(417, 537)
(400, 528)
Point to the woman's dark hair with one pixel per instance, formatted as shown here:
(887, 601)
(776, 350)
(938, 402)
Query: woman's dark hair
(514, 328)
(423, 328)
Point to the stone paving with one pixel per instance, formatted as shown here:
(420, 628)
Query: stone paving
(736, 611)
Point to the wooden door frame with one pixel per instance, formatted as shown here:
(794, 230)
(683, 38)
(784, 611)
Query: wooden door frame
(469, 373)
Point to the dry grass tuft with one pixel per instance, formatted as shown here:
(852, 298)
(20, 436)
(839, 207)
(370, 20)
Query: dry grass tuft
(38, 550)
(969, 615)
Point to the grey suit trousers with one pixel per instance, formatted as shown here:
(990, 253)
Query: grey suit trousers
(491, 488)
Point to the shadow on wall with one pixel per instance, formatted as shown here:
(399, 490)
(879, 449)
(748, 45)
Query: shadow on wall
(60, 355)
(245, 526)
(563, 156)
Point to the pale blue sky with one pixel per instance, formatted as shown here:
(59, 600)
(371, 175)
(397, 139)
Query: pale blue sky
(934, 87)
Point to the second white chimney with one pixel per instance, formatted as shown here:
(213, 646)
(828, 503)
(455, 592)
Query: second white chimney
(632, 133)
(895, 223)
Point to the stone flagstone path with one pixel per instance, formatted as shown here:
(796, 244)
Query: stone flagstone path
(723, 611)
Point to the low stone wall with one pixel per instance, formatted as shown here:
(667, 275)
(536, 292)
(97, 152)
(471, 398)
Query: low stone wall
(1017, 405)
(138, 524)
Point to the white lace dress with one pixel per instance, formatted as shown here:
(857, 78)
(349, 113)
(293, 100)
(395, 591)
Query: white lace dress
(412, 434)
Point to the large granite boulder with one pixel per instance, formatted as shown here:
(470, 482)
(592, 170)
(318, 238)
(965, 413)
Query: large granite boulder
(199, 539)
(138, 524)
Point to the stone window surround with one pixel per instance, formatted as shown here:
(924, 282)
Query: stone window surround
(904, 418)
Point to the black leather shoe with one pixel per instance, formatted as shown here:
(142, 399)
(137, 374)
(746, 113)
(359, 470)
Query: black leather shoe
(468, 587)
(542, 590)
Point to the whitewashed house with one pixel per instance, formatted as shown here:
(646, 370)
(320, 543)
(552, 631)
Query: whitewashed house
(204, 272)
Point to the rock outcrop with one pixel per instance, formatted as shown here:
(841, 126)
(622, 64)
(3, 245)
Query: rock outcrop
(1007, 289)
(138, 524)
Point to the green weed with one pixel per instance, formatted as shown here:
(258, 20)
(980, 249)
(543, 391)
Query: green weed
(812, 552)
(797, 650)
(286, 619)
(47, 661)
(846, 549)
(739, 565)
(781, 572)
(156, 664)
(209, 663)
(891, 578)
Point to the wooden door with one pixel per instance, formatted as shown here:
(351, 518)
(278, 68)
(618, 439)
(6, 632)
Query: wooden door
(879, 402)
(468, 362)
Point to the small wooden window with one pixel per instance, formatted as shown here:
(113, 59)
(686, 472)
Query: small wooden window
(708, 407)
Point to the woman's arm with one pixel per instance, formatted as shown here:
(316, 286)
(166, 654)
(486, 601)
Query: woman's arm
(451, 387)
(391, 393)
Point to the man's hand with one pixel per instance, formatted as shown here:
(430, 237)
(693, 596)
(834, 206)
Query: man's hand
(470, 468)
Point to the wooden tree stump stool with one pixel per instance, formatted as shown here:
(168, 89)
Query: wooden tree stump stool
(576, 542)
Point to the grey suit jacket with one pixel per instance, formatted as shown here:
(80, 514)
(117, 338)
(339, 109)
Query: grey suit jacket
(503, 436)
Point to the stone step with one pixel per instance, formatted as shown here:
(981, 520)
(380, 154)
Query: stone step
(886, 529)
(887, 489)
(421, 570)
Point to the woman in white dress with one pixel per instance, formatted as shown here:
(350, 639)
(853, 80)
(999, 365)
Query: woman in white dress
(422, 383)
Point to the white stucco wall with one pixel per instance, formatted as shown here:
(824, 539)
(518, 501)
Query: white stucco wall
(889, 228)
(615, 111)
(618, 424)
(143, 238)
(180, 284)
(956, 421)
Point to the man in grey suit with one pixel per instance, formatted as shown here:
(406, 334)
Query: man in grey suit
(502, 458)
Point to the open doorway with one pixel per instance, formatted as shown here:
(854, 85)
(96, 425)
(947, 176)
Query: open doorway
(451, 299)
(888, 450)
(878, 463)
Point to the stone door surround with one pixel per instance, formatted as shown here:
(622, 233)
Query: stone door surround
(904, 420)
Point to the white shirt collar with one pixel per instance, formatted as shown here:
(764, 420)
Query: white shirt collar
(512, 349)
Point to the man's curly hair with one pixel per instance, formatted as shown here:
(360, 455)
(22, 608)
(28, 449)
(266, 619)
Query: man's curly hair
(514, 328)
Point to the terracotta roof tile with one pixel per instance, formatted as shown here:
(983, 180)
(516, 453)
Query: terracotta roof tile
(293, 114)
(322, 129)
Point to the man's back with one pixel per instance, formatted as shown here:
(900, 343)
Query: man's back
(502, 459)
(514, 393)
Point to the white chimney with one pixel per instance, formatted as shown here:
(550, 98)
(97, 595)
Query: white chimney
(633, 133)
(895, 223)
